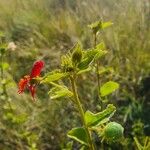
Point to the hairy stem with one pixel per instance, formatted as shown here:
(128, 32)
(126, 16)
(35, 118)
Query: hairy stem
(81, 111)
(97, 64)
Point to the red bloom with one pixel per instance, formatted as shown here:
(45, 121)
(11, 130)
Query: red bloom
(36, 70)
(25, 82)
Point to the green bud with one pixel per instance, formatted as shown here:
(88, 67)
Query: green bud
(77, 55)
(66, 63)
(96, 26)
(113, 131)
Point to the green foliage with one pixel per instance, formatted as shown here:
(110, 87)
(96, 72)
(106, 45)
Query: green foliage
(99, 25)
(66, 63)
(73, 64)
(108, 88)
(53, 76)
(78, 134)
(59, 91)
(97, 119)
(15, 119)
(90, 56)
(77, 54)
(104, 70)
(146, 145)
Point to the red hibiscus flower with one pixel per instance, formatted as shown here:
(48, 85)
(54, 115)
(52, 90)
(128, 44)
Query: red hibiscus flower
(27, 81)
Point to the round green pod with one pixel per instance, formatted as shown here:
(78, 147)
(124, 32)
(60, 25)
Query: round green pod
(113, 131)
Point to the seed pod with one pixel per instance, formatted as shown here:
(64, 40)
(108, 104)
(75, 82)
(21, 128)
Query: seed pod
(113, 131)
(77, 55)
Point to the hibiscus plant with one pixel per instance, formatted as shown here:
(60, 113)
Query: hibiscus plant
(73, 64)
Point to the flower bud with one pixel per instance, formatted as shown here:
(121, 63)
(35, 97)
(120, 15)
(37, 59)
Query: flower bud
(77, 55)
(113, 131)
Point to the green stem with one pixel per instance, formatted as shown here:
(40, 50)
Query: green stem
(97, 64)
(81, 111)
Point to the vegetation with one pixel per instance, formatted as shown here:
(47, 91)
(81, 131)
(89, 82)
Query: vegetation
(88, 60)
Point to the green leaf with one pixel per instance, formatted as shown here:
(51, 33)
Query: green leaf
(78, 134)
(106, 70)
(92, 119)
(77, 54)
(59, 91)
(99, 54)
(99, 25)
(53, 77)
(108, 88)
(84, 70)
(96, 26)
(89, 56)
(101, 46)
(66, 63)
(106, 24)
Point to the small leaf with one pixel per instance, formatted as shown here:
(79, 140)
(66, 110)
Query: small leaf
(84, 70)
(101, 117)
(106, 70)
(99, 25)
(59, 92)
(108, 88)
(99, 54)
(101, 46)
(66, 63)
(78, 134)
(77, 54)
(106, 24)
(68, 146)
(53, 77)
(96, 26)
(89, 57)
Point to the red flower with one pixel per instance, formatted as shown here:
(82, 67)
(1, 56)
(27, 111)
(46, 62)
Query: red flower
(23, 83)
(26, 81)
(36, 70)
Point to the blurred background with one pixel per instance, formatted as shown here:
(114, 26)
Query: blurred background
(46, 29)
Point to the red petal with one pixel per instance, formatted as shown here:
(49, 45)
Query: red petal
(32, 90)
(36, 70)
(23, 83)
